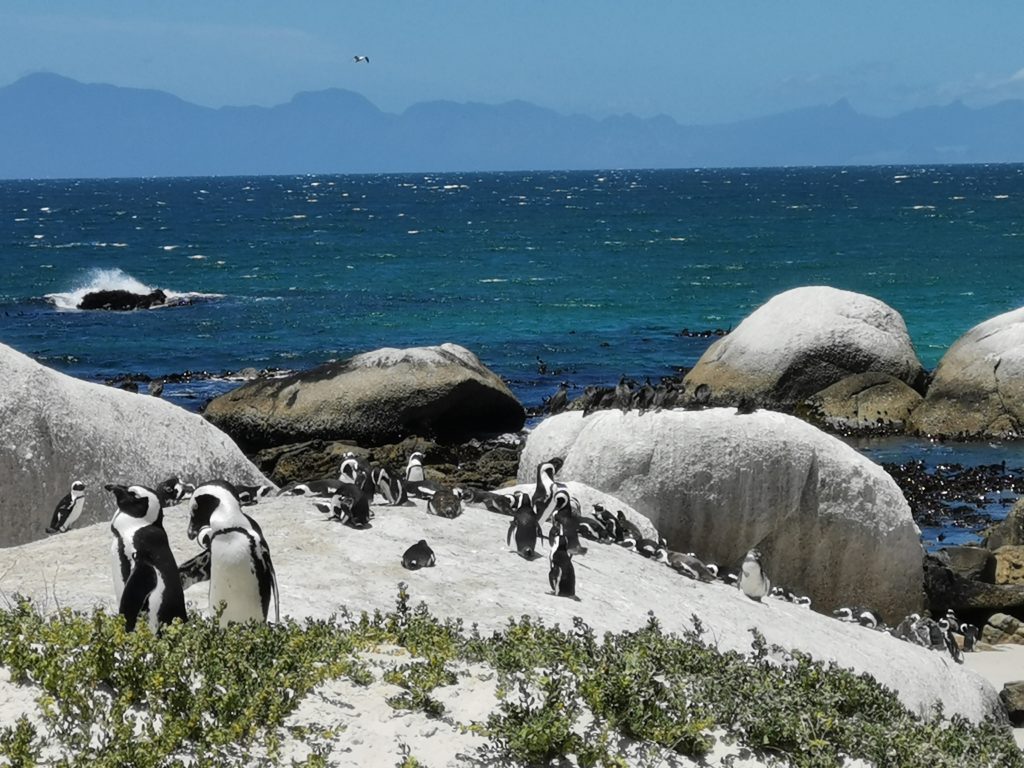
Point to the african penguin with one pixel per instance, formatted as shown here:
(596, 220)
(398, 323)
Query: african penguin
(527, 530)
(444, 503)
(414, 469)
(251, 494)
(753, 581)
(627, 528)
(545, 485)
(686, 564)
(153, 585)
(419, 555)
(242, 576)
(349, 506)
(392, 488)
(137, 507)
(561, 574)
(68, 509)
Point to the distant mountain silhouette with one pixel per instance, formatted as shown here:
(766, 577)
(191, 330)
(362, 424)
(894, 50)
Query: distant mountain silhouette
(52, 126)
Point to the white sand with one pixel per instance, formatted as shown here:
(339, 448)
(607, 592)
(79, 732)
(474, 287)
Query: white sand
(1004, 664)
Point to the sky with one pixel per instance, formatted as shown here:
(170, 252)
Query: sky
(698, 62)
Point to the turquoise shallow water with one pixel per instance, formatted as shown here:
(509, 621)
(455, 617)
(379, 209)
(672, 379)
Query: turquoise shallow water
(579, 276)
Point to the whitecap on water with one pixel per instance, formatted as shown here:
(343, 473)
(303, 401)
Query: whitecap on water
(117, 280)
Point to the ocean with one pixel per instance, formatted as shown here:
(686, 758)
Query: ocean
(547, 276)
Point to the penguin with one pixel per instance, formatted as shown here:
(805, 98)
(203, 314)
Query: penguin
(594, 530)
(172, 490)
(414, 469)
(567, 524)
(419, 555)
(643, 398)
(562, 575)
(610, 522)
(153, 585)
(686, 564)
(444, 503)
(392, 488)
(527, 530)
(753, 581)
(545, 485)
(557, 402)
(970, 633)
(520, 501)
(628, 529)
(322, 488)
(251, 494)
(623, 394)
(646, 547)
(137, 507)
(349, 506)
(68, 509)
(242, 574)
(356, 472)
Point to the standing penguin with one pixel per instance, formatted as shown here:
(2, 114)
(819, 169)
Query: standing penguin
(414, 469)
(545, 485)
(145, 572)
(527, 530)
(391, 488)
(68, 509)
(754, 582)
(561, 575)
(242, 574)
(419, 555)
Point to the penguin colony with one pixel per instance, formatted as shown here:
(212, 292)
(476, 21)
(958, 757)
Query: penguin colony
(235, 556)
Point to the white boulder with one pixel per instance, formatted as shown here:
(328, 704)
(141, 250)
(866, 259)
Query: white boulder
(55, 429)
(801, 342)
(978, 387)
(831, 523)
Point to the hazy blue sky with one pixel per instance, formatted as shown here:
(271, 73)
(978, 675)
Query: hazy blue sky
(699, 62)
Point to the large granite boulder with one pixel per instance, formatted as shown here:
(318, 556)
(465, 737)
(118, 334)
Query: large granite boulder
(831, 523)
(1009, 564)
(55, 429)
(1007, 532)
(378, 397)
(969, 598)
(862, 402)
(801, 342)
(978, 387)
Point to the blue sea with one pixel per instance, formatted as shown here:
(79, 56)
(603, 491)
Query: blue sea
(547, 276)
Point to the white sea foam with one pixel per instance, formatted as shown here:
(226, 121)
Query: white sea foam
(116, 280)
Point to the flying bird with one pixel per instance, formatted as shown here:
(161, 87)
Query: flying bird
(361, 59)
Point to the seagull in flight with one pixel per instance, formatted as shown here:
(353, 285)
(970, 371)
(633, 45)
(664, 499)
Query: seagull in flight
(358, 59)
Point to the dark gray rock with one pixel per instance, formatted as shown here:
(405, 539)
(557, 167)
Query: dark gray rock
(1012, 697)
(975, 563)
(946, 589)
(1009, 532)
(122, 301)
(864, 402)
(443, 393)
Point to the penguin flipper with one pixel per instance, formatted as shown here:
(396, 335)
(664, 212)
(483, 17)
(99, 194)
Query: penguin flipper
(195, 570)
(511, 530)
(141, 582)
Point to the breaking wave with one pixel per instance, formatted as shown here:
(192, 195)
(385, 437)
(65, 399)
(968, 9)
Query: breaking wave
(118, 280)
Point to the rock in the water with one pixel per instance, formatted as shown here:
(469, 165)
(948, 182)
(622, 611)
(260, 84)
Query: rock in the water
(120, 300)
(863, 402)
(970, 562)
(378, 397)
(978, 387)
(801, 342)
(55, 429)
(1009, 565)
(831, 523)
(1012, 697)
(1009, 531)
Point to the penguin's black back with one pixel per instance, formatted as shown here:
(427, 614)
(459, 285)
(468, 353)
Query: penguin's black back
(419, 555)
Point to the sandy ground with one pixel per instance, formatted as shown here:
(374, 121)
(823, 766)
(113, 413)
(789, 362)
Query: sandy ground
(1004, 664)
(323, 567)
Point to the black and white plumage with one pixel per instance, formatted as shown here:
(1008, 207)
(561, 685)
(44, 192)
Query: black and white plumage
(567, 523)
(559, 503)
(527, 531)
(242, 576)
(172, 491)
(558, 401)
(419, 555)
(753, 581)
(444, 503)
(858, 615)
(251, 494)
(561, 574)
(414, 472)
(685, 563)
(391, 487)
(322, 488)
(348, 506)
(611, 523)
(361, 59)
(68, 509)
(545, 485)
(627, 530)
(145, 573)
(591, 528)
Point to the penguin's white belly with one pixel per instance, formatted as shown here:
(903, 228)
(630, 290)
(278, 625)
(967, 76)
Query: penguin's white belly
(233, 579)
(753, 582)
(115, 569)
(155, 600)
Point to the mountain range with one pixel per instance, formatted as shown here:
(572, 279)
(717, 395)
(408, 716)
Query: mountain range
(55, 127)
